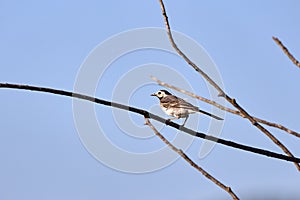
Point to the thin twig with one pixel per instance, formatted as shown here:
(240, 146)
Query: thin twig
(219, 89)
(192, 163)
(286, 51)
(236, 112)
(208, 79)
(152, 116)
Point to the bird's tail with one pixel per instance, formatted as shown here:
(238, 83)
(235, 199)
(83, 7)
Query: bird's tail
(211, 115)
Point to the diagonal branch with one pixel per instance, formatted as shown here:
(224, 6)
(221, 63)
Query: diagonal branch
(219, 89)
(286, 51)
(236, 112)
(192, 163)
(191, 63)
(152, 116)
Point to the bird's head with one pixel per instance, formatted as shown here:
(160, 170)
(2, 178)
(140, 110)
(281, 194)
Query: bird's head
(161, 94)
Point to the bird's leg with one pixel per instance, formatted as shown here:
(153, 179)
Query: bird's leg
(185, 120)
(172, 119)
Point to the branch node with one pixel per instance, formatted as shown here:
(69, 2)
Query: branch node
(221, 94)
(255, 123)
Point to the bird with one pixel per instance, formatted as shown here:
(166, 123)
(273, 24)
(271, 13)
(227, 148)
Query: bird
(177, 107)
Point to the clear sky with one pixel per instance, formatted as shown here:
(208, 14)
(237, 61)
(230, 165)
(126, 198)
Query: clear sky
(47, 43)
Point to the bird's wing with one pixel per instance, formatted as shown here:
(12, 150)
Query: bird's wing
(186, 105)
(175, 102)
(172, 101)
(169, 101)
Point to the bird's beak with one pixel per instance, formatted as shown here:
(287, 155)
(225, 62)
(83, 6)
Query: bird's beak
(153, 94)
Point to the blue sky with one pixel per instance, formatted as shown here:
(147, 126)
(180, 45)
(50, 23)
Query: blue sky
(45, 43)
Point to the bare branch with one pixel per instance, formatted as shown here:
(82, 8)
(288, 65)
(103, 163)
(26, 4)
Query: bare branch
(218, 88)
(286, 51)
(192, 163)
(152, 116)
(208, 79)
(236, 112)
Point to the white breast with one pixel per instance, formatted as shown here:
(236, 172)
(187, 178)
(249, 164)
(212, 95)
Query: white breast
(176, 112)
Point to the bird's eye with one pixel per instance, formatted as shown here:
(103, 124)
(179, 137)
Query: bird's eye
(159, 93)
